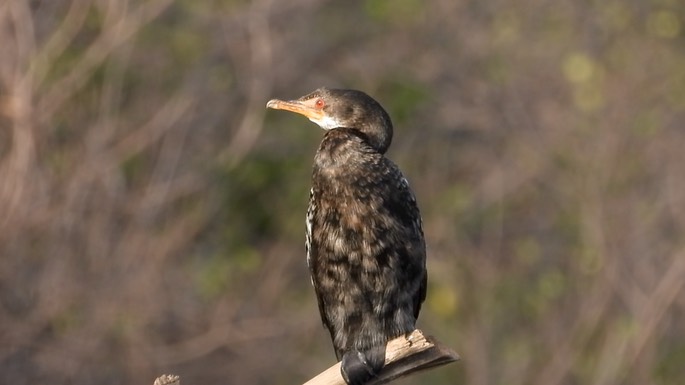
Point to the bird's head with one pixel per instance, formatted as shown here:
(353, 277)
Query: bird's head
(338, 108)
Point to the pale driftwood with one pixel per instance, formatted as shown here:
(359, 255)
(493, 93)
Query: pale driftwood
(167, 379)
(403, 355)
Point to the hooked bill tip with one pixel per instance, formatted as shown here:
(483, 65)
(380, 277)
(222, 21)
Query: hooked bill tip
(273, 103)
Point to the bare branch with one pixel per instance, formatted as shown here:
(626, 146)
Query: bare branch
(260, 83)
(167, 379)
(112, 38)
(403, 356)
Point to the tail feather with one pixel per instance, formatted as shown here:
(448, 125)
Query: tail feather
(357, 367)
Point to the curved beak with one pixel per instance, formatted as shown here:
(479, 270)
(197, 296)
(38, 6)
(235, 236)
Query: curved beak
(305, 108)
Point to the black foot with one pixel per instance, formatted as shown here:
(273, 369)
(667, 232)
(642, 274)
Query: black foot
(357, 367)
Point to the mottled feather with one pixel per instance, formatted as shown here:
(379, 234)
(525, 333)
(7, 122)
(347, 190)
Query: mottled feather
(364, 237)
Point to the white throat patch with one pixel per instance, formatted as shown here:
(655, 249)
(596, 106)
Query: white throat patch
(327, 123)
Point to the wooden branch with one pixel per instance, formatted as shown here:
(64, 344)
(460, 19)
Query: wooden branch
(403, 356)
(167, 379)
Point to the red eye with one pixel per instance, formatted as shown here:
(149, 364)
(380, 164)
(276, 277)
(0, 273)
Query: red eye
(319, 103)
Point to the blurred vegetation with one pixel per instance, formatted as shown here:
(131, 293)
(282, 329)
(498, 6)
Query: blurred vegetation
(151, 210)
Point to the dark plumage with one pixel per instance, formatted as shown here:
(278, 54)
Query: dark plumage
(365, 245)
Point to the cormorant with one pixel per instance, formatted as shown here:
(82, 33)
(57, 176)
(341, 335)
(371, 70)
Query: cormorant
(365, 244)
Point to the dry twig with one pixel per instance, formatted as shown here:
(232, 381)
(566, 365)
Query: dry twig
(404, 355)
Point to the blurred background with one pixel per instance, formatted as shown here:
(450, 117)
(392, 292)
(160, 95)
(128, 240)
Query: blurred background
(152, 210)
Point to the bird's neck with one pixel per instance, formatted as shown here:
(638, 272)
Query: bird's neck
(378, 130)
(344, 148)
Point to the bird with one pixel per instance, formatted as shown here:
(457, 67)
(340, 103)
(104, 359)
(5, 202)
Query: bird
(364, 237)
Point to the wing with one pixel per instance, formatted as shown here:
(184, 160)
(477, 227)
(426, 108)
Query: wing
(406, 205)
(311, 212)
